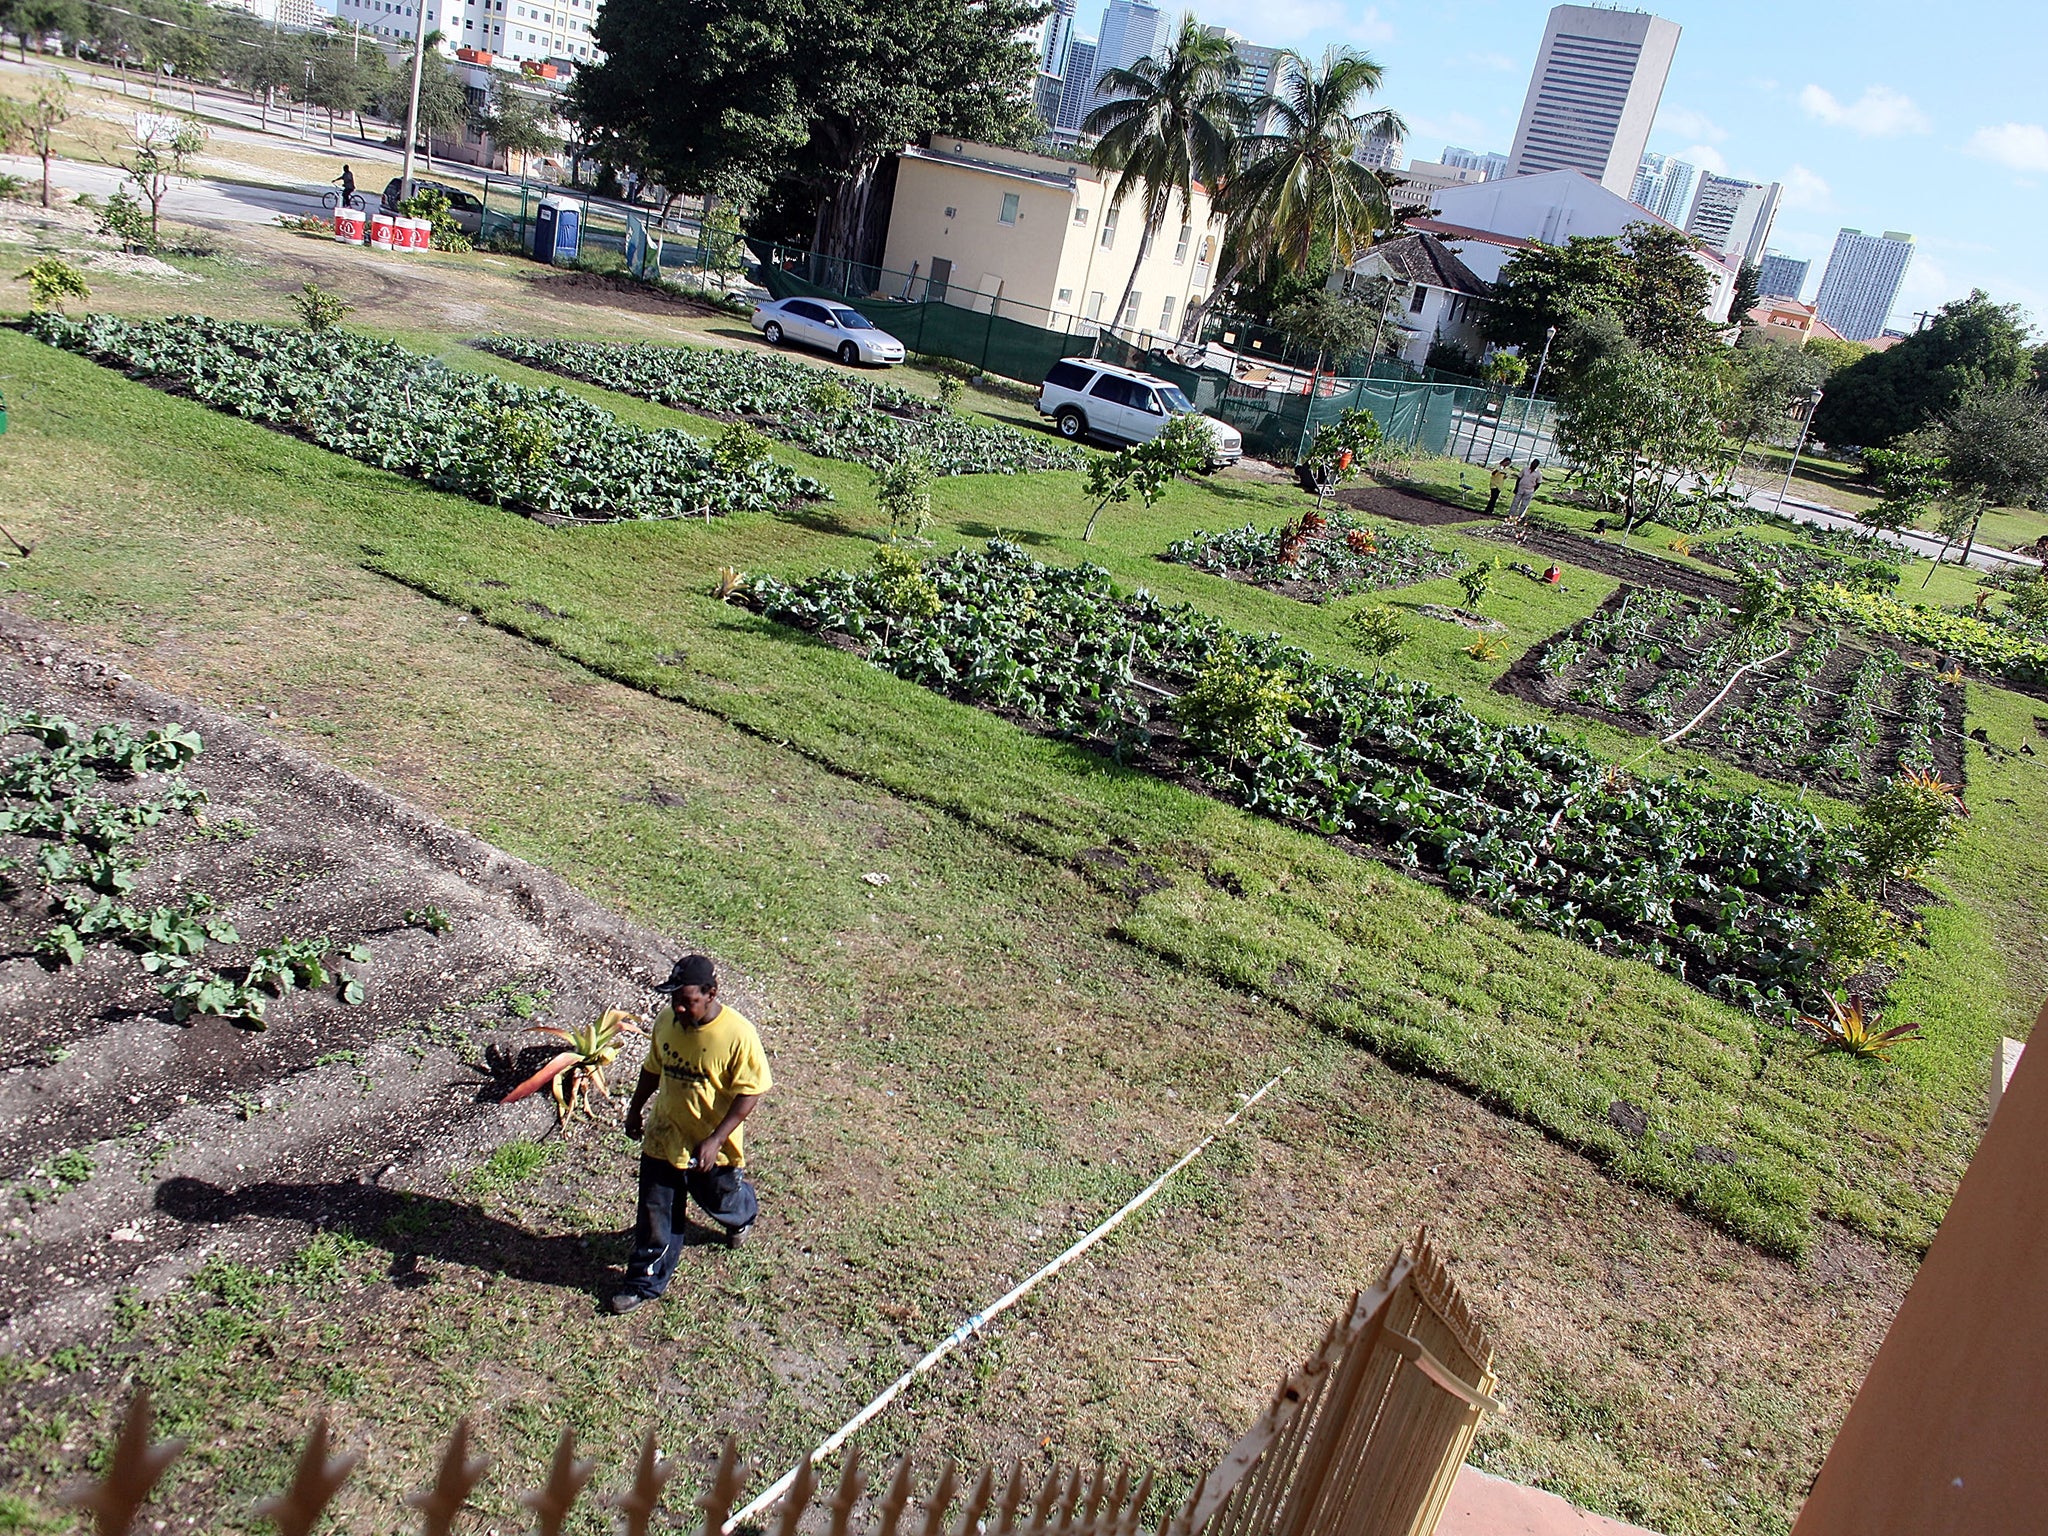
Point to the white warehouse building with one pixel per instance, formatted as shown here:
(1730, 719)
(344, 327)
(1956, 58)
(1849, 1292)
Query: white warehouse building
(517, 30)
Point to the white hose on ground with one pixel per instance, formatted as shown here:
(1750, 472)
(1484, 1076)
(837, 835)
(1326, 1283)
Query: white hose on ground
(980, 1320)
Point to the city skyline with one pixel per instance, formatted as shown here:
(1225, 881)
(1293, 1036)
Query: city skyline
(1859, 130)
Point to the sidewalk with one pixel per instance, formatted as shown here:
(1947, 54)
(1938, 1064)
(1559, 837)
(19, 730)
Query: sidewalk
(1484, 1505)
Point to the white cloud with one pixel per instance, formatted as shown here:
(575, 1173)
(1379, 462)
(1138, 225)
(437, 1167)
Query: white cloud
(1499, 63)
(1879, 113)
(1451, 128)
(1685, 123)
(1804, 189)
(2017, 146)
(1707, 158)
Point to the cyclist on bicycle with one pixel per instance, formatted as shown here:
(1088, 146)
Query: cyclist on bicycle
(347, 178)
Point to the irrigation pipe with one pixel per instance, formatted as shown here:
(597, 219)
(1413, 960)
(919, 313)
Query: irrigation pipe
(980, 1320)
(1715, 703)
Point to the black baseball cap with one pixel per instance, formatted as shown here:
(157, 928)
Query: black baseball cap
(691, 971)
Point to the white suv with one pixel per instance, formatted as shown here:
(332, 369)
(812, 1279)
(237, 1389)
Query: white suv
(1090, 399)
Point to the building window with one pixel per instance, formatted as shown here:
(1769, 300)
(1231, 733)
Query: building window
(1081, 217)
(1129, 317)
(1066, 296)
(1180, 246)
(1009, 213)
(1166, 316)
(1109, 229)
(1145, 243)
(1421, 297)
(1095, 305)
(1208, 251)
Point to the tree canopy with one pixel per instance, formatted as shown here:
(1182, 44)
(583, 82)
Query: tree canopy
(1643, 280)
(1973, 344)
(791, 104)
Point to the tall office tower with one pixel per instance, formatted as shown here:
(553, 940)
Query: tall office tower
(1734, 218)
(1663, 185)
(1490, 165)
(1379, 151)
(1056, 31)
(1599, 77)
(1130, 31)
(1862, 279)
(1077, 86)
(1780, 277)
(1261, 71)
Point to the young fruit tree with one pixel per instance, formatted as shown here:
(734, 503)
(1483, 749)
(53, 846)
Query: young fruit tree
(27, 127)
(1638, 427)
(1147, 469)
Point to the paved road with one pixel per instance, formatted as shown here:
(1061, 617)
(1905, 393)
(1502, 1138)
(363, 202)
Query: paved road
(191, 200)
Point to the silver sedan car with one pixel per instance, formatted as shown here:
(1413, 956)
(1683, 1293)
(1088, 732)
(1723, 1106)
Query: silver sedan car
(845, 332)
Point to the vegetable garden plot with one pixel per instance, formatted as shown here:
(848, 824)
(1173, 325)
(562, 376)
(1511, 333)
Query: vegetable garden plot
(869, 423)
(1323, 556)
(1707, 885)
(1838, 717)
(541, 451)
(1871, 565)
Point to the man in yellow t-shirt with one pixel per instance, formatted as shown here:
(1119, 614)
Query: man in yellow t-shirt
(705, 1071)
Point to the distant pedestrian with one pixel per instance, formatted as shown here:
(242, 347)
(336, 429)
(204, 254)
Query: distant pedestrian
(348, 187)
(705, 1071)
(1525, 490)
(1501, 471)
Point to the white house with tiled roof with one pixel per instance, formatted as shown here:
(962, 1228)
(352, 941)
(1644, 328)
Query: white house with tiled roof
(1438, 297)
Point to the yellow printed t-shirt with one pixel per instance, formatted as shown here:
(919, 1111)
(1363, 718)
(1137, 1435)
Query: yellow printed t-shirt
(702, 1071)
(1500, 478)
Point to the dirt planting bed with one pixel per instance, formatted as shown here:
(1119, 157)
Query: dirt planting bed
(133, 1147)
(1637, 568)
(1405, 506)
(1835, 716)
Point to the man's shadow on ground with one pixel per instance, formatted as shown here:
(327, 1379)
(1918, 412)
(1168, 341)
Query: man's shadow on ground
(412, 1228)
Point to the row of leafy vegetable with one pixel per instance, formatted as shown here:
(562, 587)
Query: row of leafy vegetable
(874, 424)
(540, 451)
(1816, 712)
(77, 802)
(1798, 563)
(1326, 554)
(1520, 819)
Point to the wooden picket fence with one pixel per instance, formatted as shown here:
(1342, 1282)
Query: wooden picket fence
(1365, 1439)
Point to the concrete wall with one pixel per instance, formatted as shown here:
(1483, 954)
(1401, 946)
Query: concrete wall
(1949, 1434)
(1051, 262)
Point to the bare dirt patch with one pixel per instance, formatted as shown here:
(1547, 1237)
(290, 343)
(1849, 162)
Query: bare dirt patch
(1638, 569)
(1405, 506)
(150, 1145)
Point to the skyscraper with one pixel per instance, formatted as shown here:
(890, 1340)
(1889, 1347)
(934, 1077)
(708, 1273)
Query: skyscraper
(1780, 277)
(1862, 279)
(1490, 165)
(1379, 151)
(1130, 32)
(1261, 71)
(1734, 217)
(1663, 185)
(1599, 77)
(1077, 86)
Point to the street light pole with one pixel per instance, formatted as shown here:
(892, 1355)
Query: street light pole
(412, 105)
(1812, 404)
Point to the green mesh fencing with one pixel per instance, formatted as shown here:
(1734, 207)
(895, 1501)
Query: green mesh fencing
(999, 336)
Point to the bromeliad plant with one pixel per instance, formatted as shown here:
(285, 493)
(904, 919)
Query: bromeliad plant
(1850, 1025)
(580, 1069)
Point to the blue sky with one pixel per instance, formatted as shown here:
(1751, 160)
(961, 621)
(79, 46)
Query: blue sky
(1875, 115)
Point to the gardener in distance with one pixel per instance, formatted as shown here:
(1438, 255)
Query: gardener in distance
(705, 1071)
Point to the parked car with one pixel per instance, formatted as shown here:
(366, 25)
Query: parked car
(465, 208)
(846, 333)
(1087, 399)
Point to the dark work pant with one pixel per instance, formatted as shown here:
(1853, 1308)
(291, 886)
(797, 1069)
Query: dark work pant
(1493, 499)
(722, 1194)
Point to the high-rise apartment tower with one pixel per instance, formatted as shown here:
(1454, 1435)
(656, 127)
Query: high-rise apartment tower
(1663, 185)
(1862, 279)
(1780, 277)
(1734, 218)
(1599, 77)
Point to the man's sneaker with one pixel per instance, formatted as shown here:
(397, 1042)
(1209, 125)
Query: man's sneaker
(626, 1301)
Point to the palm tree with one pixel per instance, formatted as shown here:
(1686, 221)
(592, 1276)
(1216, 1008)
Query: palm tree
(1171, 123)
(1301, 181)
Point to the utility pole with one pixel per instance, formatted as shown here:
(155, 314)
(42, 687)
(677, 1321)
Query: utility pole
(1922, 316)
(412, 105)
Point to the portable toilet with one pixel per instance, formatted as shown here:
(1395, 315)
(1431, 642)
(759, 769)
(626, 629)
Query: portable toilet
(557, 230)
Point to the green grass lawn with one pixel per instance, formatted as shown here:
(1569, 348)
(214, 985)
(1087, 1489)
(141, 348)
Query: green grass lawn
(1004, 1039)
(1535, 1027)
